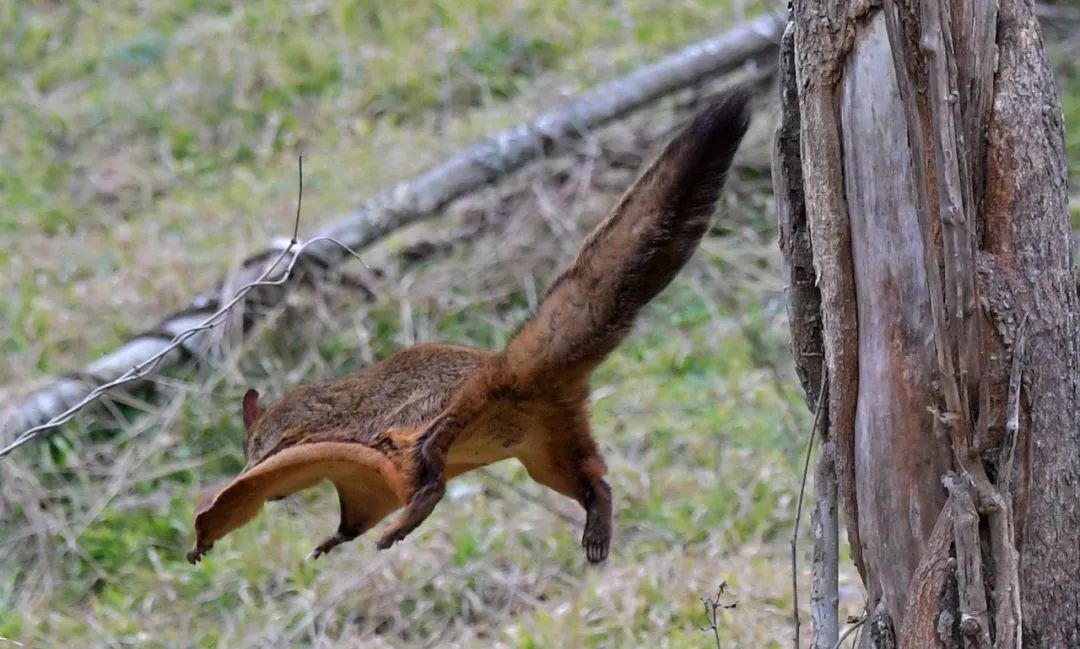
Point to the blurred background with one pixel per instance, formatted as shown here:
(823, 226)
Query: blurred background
(148, 147)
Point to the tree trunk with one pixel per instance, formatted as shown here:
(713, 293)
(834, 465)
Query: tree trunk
(921, 151)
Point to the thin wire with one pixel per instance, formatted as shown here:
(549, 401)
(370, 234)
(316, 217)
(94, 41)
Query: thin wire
(147, 366)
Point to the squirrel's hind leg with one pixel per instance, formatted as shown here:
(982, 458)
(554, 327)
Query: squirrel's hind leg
(569, 462)
(331, 542)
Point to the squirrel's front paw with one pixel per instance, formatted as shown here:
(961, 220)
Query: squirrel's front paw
(196, 553)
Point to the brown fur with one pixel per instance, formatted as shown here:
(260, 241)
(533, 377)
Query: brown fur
(391, 435)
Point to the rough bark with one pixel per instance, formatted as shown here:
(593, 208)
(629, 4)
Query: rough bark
(1027, 243)
(800, 278)
(406, 203)
(933, 170)
(804, 308)
(823, 33)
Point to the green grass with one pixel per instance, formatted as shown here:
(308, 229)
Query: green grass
(1067, 75)
(144, 142)
(147, 146)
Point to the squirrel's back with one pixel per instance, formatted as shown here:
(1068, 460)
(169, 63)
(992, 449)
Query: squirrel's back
(633, 253)
(406, 389)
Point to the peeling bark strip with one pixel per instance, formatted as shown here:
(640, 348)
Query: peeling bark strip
(899, 460)
(822, 36)
(947, 196)
(974, 613)
(409, 202)
(932, 596)
(804, 308)
(800, 278)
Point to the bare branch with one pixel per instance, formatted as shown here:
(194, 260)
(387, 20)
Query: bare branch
(151, 364)
(825, 566)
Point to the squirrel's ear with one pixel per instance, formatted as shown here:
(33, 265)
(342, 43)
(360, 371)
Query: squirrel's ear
(251, 408)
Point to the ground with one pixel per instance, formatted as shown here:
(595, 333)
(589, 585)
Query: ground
(147, 148)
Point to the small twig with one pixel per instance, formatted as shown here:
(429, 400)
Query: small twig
(150, 364)
(712, 605)
(825, 564)
(848, 631)
(798, 509)
(299, 198)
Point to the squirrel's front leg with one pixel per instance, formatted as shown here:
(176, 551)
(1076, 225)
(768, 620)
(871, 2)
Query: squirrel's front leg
(420, 507)
(429, 461)
(430, 477)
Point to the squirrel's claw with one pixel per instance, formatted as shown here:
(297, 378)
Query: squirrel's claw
(597, 536)
(595, 551)
(344, 534)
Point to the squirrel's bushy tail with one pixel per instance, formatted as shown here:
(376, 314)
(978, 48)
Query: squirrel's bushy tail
(633, 253)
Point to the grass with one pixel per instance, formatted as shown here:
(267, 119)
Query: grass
(146, 148)
(148, 145)
(704, 495)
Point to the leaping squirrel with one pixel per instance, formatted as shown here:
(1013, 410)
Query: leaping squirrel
(391, 435)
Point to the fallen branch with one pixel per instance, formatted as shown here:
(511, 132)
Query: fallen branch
(402, 205)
